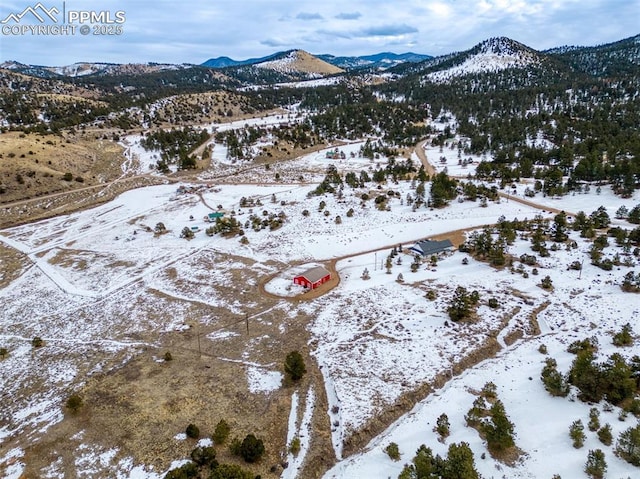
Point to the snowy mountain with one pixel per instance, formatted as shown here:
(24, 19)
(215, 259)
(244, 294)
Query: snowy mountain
(380, 61)
(494, 54)
(81, 69)
(299, 61)
(30, 70)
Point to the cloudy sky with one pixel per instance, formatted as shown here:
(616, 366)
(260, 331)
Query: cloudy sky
(191, 32)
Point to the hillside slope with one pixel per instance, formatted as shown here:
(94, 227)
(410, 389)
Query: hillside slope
(299, 61)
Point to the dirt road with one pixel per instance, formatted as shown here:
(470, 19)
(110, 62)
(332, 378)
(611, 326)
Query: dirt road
(419, 150)
(457, 237)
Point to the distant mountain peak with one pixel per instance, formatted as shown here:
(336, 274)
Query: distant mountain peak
(381, 61)
(80, 69)
(299, 61)
(502, 46)
(493, 54)
(378, 61)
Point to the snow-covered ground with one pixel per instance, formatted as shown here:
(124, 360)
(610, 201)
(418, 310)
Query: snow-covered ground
(281, 284)
(459, 165)
(580, 306)
(261, 381)
(299, 428)
(541, 423)
(137, 159)
(585, 201)
(264, 121)
(483, 62)
(376, 340)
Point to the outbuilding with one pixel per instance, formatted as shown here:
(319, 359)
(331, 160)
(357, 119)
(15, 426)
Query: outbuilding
(312, 278)
(212, 217)
(431, 247)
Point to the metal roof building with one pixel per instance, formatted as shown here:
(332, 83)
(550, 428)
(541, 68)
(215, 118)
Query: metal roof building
(431, 247)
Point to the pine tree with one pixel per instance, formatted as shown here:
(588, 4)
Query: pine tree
(74, 403)
(192, 431)
(554, 382)
(443, 189)
(294, 366)
(425, 464)
(596, 465)
(408, 472)
(594, 419)
(622, 212)
(600, 218)
(560, 227)
(605, 436)
(634, 215)
(576, 432)
(221, 432)
(251, 448)
(393, 451)
(537, 241)
(586, 375)
(187, 233)
(617, 379)
(546, 283)
(204, 456)
(415, 265)
(460, 463)
(226, 471)
(477, 412)
(498, 430)
(460, 306)
(442, 426)
(624, 337)
(628, 445)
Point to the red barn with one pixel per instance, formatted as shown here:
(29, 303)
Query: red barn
(312, 278)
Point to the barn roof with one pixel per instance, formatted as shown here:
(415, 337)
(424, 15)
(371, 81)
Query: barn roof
(315, 274)
(428, 247)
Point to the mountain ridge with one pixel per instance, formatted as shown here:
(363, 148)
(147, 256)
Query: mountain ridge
(374, 60)
(299, 61)
(492, 54)
(80, 69)
(499, 53)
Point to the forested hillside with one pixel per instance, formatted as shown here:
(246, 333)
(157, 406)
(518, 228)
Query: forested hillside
(568, 112)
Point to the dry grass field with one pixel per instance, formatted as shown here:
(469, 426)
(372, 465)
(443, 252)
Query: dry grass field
(200, 108)
(140, 405)
(33, 165)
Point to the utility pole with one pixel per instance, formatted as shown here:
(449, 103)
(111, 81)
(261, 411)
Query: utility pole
(375, 261)
(198, 336)
(581, 266)
(246, 320)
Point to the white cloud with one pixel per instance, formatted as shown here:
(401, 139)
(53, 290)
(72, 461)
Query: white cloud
(309, 16)
(348, 16)
(191, 31)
